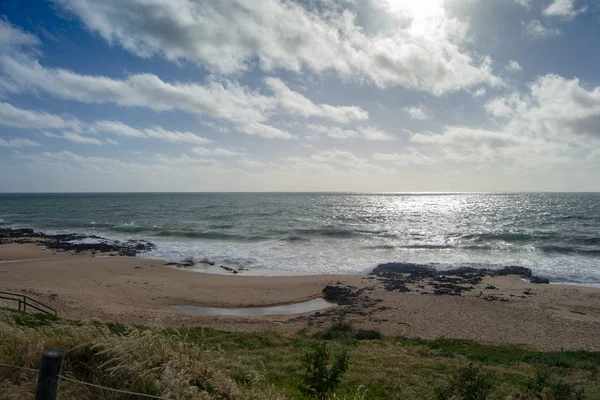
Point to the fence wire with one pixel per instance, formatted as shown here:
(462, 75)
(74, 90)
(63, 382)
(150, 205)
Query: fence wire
(15, 367)
(111, 389)
(64, 378)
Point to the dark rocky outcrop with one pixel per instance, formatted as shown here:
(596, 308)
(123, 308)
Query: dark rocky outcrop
(342, 295)
(77, 243)
(396, 276)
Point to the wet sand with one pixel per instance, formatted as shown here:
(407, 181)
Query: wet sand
(499, 310)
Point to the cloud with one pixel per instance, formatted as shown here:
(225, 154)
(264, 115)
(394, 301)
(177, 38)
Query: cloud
(334, 132)
(118, 128)
(513, 66)
(555, 122)
(479, 92)
(364, 132)
(418, 50)
(372, 133)
(411, 157)
(563, 9)
(505, 149)
(76, 138)
(13, 38)
(300, 105)
(263, 130)
(554, 107)
(332, 160)
(224, 100)
(250, 163)
(154, 132)
(17, 143)
(21, 118)
(465, 136)
(203, 151)
(418, 113)
(535, 30)
(524, 3)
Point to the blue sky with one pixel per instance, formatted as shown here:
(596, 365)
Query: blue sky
(319, 95)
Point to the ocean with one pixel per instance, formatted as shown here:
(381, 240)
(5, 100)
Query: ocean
(557, 235)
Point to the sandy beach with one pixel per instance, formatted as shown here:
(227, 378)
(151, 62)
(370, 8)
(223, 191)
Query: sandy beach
(499, 310)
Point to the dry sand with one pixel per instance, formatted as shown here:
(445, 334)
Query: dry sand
(142, 291)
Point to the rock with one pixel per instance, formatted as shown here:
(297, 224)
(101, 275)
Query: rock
(538, 279)
(515, 270)
(77, 243)
(16, 233)
(342, 295)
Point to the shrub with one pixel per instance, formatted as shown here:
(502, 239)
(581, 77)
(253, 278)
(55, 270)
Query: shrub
(321, 379)
(343, 330)
(468, 383)
(542, 387)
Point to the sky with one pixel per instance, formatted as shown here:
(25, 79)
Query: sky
(311, 95)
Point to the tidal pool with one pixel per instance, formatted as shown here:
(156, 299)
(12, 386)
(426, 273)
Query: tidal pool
(295, 308)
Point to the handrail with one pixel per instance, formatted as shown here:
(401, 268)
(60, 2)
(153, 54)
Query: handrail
(25, 303)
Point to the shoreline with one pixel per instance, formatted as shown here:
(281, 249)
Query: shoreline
(498, 309)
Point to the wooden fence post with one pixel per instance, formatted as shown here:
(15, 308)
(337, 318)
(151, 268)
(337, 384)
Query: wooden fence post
(48, 380)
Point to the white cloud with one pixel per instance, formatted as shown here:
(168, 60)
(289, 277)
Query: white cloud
(333, 131)
(227, 100)
(154, 132)
(464, 136)
(418, 113)
(535, 30)
(17, 143)
(554, 123)
(332, 160)
(504, 149)
(263, 130)
(217, 151)
(250, 163)
(554, 107)
(564, 9)
(411, 157)
(524, 3)
(420, 50)
(118, 128)
(372, 133)
(76, 138)
(12, 38)
(300, 105)
(513, 66)
(157, 132)
(364, 132)
(479, 92)
(21, 118)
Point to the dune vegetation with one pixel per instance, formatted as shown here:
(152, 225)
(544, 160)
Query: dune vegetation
(201, 363)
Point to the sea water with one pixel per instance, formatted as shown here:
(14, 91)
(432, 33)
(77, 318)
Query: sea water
(557, 235)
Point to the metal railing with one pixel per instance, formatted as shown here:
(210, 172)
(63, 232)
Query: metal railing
(26, 301)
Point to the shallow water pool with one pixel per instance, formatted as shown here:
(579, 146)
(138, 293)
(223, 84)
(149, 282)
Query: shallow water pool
(295, 308)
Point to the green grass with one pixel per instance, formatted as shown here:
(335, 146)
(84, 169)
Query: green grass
(186, 362)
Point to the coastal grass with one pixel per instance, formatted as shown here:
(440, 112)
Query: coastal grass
(203, 363)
